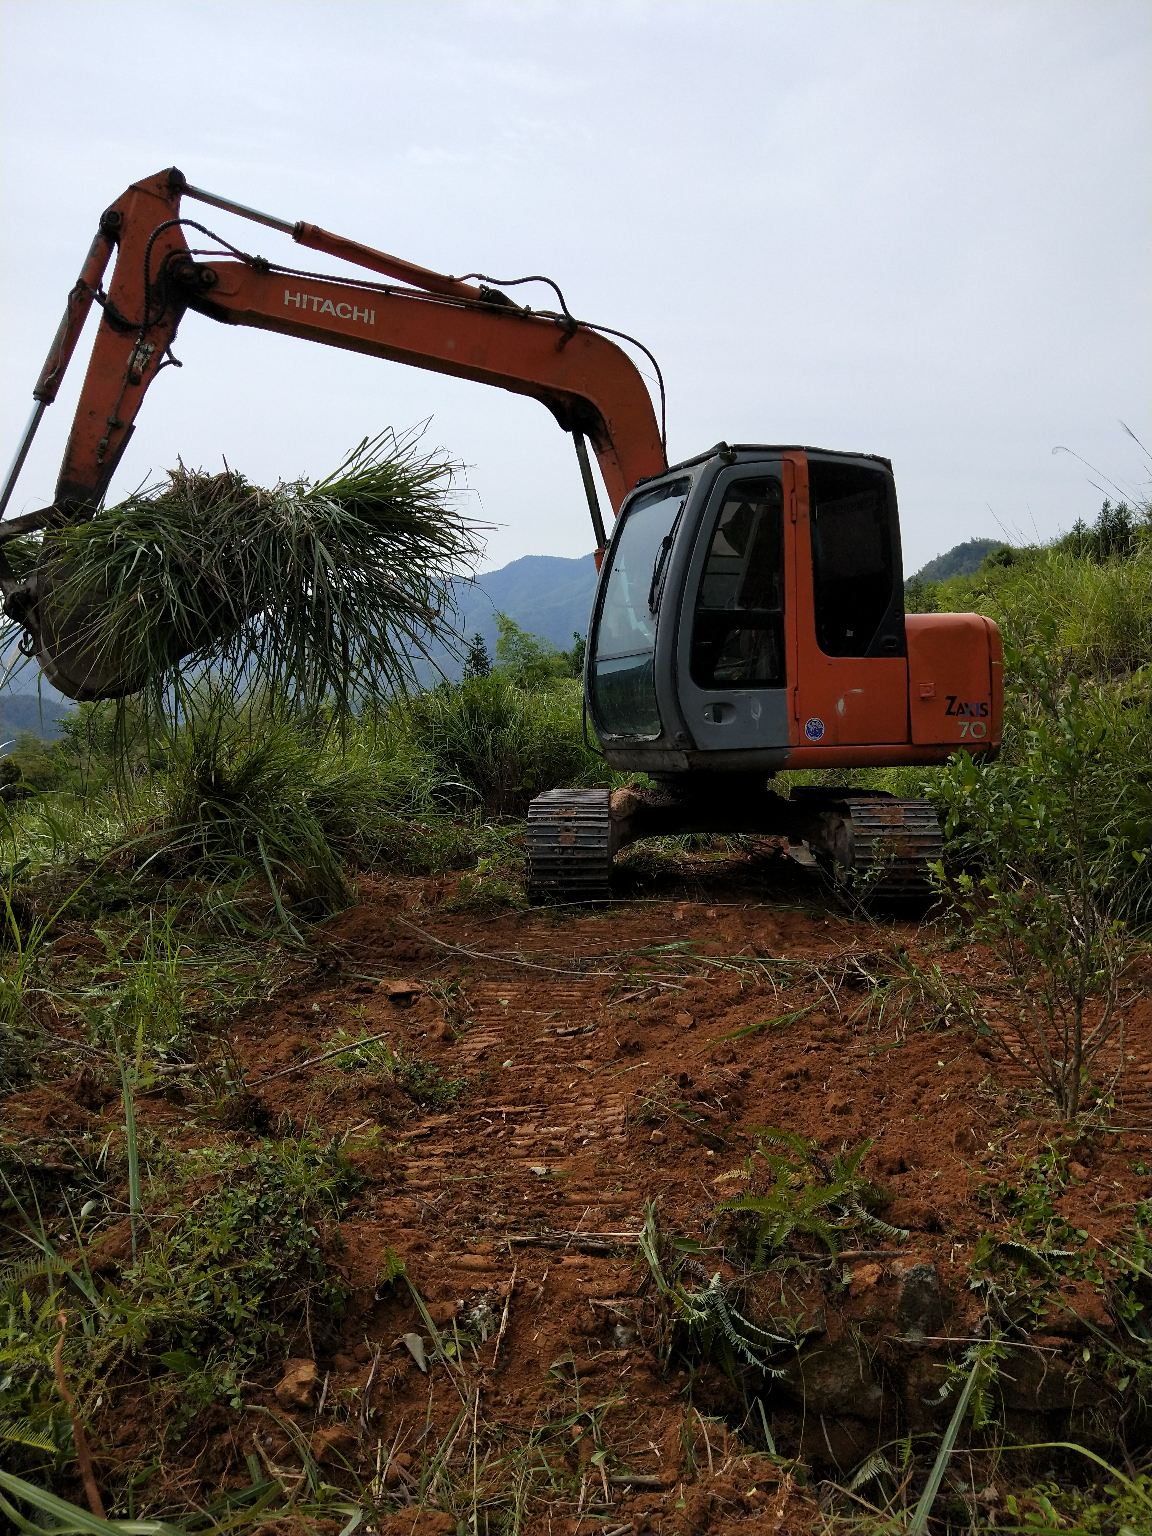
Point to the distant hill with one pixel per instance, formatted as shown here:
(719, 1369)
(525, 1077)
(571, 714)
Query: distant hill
(28, 712)
(960, 560)
(545, 594)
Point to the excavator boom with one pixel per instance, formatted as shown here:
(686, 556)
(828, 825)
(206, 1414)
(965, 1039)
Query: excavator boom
(588, 383)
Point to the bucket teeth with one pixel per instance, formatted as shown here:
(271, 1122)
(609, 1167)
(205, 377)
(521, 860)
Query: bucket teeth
(569, 847)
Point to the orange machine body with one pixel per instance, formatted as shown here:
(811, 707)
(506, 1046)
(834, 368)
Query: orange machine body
(881, 711)
(925, 685)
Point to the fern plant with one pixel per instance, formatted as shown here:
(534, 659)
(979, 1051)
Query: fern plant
(808, 1197)
(718, 1331)
(704, 1321)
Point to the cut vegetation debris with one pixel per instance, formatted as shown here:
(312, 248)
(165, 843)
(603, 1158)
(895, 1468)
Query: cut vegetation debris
(323, 592)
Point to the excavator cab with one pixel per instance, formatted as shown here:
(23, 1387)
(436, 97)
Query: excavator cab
(749, 618)
(699, 624)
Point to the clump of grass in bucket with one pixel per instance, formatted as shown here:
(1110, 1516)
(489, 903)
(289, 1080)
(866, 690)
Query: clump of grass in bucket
(322, 592)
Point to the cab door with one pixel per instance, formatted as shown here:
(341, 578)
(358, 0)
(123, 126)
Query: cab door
(850, 685)
(732, 663)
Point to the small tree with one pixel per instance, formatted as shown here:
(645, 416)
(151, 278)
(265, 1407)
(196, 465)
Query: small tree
(920, 596)
(1116, 533)
(477, 663)
(575, 657)
(527, 659)
(1115, 530)
(1049, 835)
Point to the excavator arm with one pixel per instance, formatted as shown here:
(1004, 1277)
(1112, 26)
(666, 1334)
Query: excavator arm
(436, 322)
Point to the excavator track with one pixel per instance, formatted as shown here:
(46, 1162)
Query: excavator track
(883, 849)
(875, 849)
(569, 847)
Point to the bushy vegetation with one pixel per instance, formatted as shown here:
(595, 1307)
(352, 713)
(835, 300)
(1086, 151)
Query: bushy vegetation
(325, 591)
(239, 795)
(231, 1268)
(1084, 596)
(494, 744)
(1048, 845)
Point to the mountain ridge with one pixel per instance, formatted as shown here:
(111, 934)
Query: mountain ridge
(961, 560)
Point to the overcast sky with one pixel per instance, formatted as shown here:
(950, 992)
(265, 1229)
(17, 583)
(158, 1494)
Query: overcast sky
(919, 229)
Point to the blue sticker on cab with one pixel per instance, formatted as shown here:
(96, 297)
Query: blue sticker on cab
(813, 729)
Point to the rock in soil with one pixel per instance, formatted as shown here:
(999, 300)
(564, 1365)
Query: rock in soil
(298, 1386)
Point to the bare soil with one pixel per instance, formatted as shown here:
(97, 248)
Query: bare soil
(600, 1079)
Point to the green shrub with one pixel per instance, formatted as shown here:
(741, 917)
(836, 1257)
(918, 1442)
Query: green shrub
(256, 790)
(230, 1278)
(420, 1079)
(1054, 838)
(921, 596)
(241, 1263)
(495, 745)
(477, 662)
(34, 763)
(529, 660)
(794, 1192)
(235, 791)
(1068, 799)
(248, 793)
(1117, 531)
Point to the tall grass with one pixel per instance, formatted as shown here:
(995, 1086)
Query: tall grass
(495, 745)
(323, 592)
(1092, 616)
(234, 793)
(1068, 798)
(263, 791)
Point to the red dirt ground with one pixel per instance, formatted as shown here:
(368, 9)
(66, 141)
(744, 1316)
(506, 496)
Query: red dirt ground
(594, 1090)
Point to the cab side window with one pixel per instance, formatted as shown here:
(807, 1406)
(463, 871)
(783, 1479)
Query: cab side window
(853, 560)
(738, 624)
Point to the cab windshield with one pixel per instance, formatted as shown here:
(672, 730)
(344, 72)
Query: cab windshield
(622, 677)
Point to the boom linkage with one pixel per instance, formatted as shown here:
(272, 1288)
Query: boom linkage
(439, 323)
(436, 322)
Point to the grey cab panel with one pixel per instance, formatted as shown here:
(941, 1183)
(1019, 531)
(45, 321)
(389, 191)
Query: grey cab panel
(730, 665)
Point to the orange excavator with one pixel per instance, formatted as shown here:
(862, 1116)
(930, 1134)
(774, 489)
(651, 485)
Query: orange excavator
(749, 612)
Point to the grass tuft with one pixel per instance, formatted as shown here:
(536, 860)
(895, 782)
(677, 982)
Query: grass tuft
(321, 591)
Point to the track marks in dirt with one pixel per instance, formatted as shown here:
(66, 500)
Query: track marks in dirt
(594, 1087)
